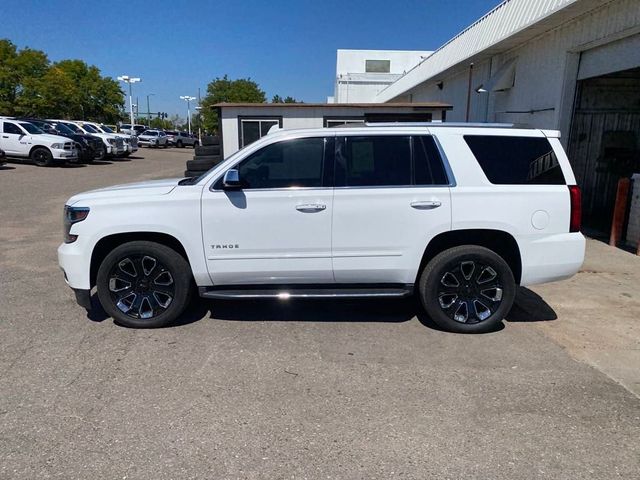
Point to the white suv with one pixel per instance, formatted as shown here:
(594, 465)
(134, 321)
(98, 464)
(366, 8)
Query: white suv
(457, 214)
(26, 141)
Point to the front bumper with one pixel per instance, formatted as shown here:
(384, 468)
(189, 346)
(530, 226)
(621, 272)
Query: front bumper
(68, 155)
(75, 263)
(83, 297)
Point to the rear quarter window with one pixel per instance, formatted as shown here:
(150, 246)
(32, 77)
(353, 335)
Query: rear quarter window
(508, 160)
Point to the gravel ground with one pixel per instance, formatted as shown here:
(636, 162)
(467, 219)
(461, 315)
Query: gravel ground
(304, 390)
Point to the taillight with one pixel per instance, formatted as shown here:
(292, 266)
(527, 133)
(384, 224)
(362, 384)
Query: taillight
(576, 208)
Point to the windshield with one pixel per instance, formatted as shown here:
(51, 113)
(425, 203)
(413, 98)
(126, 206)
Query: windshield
(150, 133)
(89, 128)
(73, 127)
(29, 127)
(106, 129)
(63, 129)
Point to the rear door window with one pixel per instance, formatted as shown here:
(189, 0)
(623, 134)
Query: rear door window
(508, 160)
(389, 160)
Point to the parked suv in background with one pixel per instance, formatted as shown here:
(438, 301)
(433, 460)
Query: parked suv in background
(136, 130)
(23, 140)
(458, 215)
(182, 139)
(153, 138)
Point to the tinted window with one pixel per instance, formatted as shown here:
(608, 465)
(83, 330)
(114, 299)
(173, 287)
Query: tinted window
(374, 161)
(516, 160)
(293, 163)
(428, 168)
(11, 128)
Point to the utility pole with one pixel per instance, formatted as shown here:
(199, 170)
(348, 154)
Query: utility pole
(188, 99)
(199, 118)
(149, 110)
(130, 80)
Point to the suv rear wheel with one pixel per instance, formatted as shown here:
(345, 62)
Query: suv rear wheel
(144, 284)
(467, 289)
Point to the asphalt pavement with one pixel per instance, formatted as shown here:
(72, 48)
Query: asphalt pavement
(294, 390)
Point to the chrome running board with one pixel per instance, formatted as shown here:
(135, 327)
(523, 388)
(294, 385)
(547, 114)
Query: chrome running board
(285, 293)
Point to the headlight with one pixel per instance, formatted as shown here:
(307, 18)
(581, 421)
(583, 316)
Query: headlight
(73, 215)
(58, 146)
(112, 141)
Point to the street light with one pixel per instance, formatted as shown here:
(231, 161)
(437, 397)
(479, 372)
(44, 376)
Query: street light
(130, 80)
(188, 99)
(149, 109)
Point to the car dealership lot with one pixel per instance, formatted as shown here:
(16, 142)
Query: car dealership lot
(364, 389)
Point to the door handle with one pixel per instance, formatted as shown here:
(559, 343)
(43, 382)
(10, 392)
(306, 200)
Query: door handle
(426, 205)
(311, 207)
(5, 136)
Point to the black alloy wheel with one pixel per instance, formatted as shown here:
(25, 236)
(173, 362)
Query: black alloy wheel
(144, 284)
(42, 157)
(467, 289)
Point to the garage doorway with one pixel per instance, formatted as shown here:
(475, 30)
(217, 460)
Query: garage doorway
(604, 143)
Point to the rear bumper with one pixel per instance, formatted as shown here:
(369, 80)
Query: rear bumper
(551, 258)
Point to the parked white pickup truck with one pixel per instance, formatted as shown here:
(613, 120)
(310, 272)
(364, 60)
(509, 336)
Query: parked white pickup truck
(458, 215)
(22, 140)
(113, 144)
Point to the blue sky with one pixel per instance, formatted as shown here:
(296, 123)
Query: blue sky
(288, 47)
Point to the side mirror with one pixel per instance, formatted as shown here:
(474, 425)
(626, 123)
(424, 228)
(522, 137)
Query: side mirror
(231, 179)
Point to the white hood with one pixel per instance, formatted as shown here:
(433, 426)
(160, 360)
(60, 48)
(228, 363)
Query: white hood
(151, 187)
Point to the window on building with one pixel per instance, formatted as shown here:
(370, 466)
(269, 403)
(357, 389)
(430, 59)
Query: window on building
(339, 122)
(516, 160)
(252, 129)
(377, 66)
(291, 163)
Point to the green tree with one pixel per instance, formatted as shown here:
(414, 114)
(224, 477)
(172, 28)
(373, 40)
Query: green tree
(242, 90)
(287, 99)
(31, 85)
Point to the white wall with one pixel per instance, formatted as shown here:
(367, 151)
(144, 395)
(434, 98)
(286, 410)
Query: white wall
(296, 117)
(354, 84)
(546, 71)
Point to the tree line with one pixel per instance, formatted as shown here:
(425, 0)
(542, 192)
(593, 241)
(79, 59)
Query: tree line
(242, 90)
(31, 85)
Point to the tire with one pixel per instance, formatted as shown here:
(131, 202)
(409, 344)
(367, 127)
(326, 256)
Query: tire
(42, 157)
(149, 300)
(194, 173)
(210, 140)
(179, 144)
(485, 286)
(200, 164)
(211, 158)
(102, 153)
(208, 150)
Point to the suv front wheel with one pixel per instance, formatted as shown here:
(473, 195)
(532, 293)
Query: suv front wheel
(144, 284)
(467, 289)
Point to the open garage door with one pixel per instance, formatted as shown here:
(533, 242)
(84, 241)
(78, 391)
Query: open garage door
(604, 144)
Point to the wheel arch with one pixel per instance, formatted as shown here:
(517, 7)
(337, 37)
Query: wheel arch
(108, 243)
(499, 241)
(39, 146)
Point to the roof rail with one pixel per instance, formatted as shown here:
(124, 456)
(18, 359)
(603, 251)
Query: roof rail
(444, 124)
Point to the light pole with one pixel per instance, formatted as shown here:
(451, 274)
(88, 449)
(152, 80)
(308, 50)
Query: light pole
(149, 109)
(130, 80)
(188, 99)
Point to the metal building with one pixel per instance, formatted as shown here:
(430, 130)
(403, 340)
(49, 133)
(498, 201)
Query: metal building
(571, 65)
